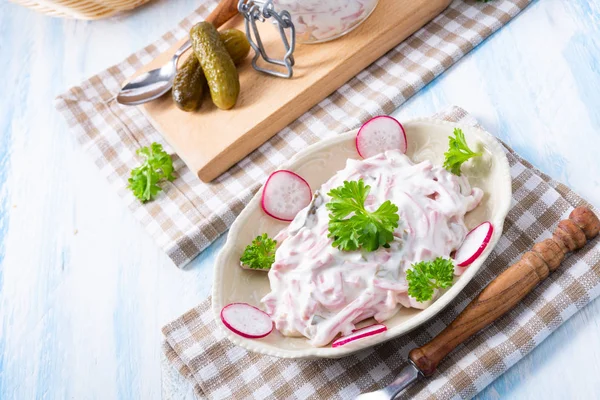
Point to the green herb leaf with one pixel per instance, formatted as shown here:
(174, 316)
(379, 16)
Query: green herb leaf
(260, 254)
(458, 153)
(363, 229)
(157, 166)
(426, 276)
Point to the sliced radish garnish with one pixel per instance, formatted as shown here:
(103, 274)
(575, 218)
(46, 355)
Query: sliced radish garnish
(360, 334)
(380, 134)
(474, 244)
(246, 320)
(285, 194)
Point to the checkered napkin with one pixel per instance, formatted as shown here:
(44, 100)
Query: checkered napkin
(190, 214)
(217, 369)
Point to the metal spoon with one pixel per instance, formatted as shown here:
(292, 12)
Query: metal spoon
(153, 84)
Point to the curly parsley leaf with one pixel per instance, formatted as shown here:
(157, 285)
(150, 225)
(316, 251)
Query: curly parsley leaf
(426, 276)
(157, 166)
(362, 229)
(260, 254)
(458, 153)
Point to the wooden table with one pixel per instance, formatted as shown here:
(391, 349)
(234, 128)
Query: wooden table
(84, 290)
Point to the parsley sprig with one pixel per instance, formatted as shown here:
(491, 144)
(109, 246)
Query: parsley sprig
(363, 229)
(458, 153)
(260, 254)
(426, 276)
(156, 167)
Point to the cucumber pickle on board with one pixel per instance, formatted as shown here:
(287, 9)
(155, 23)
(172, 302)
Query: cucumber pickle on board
(236, 43)
(188, 85)
(219, 69)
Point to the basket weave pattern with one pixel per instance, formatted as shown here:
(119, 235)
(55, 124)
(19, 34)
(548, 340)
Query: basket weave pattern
(80, 9)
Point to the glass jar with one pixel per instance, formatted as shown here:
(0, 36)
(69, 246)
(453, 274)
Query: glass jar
(318, 21)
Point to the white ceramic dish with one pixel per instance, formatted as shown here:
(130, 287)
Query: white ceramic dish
(427, 140)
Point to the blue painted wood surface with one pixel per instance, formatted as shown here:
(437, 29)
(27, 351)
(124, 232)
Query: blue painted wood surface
(83, 289)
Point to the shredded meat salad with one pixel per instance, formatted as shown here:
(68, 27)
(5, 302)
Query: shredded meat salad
(318, 291)
(317, 20)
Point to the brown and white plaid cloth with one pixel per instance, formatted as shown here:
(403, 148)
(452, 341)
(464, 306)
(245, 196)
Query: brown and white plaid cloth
(189, 214)
(219, 370)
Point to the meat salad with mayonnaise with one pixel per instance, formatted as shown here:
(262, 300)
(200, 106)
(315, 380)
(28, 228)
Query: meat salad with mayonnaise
(381, 234)
(319, 291)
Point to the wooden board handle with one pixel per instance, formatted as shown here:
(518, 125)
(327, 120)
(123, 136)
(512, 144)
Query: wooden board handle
(225, 10)
(509, 288)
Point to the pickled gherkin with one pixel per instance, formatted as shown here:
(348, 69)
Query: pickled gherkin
(219, 69)
(236, 43)
(188, 85)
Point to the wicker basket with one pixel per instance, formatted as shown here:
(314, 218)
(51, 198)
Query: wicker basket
(80, 9)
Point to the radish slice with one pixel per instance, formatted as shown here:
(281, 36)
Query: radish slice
(380, 134)
(246, 320)
(285, 194)
(360, 334)
(473, 245)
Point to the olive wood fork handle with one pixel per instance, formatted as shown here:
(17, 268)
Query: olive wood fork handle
(225, 10)
(509, 288)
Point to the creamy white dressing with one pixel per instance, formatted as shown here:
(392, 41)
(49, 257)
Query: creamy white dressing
(320, 20)
(318, 291)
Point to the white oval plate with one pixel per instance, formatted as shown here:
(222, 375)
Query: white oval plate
(427, 140)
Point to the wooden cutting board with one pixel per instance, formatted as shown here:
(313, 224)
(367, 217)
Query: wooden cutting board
(210, 140)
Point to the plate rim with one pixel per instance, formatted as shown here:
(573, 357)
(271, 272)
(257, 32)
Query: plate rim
(498, 154)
